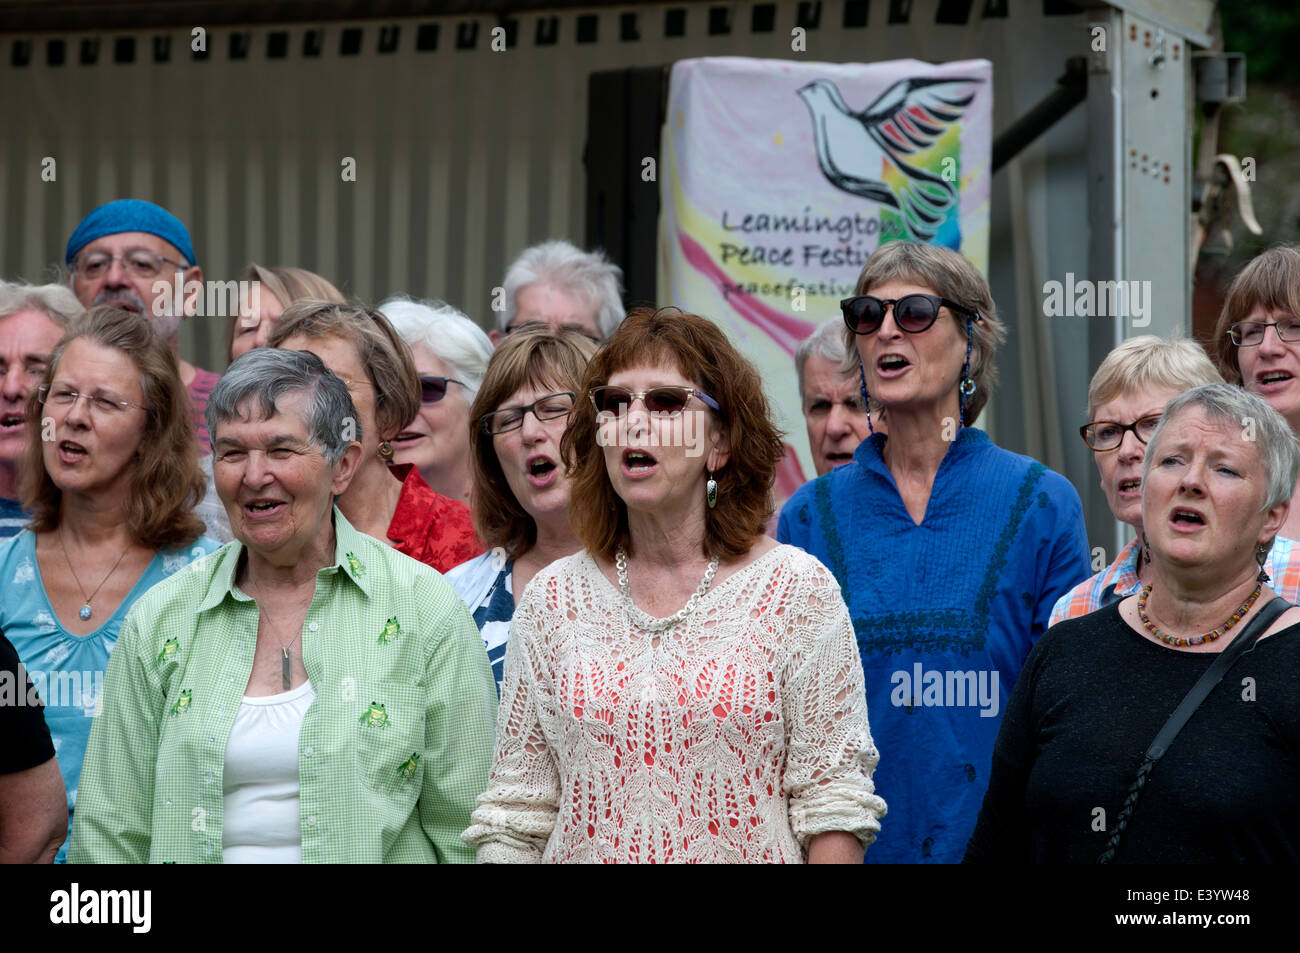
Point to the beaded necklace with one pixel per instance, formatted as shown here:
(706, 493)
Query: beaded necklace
(1180, 642)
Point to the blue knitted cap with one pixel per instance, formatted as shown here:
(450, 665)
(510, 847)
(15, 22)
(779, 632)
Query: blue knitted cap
(131, 215)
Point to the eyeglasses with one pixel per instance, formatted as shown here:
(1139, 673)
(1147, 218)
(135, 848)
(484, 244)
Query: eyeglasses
(550, 407)
(434, 389)
(1109, 434)
(668, 400)
(529, 326)
(66, 397)
(913, 313)
(140, 263)
(1251, 333)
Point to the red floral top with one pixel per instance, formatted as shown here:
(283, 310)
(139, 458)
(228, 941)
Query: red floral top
(430, 527)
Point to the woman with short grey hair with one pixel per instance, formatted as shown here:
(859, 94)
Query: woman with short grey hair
(451, 355)
(336, 690)
(1080, 773)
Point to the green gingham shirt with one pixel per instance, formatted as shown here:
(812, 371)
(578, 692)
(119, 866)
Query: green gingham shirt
(392, 753)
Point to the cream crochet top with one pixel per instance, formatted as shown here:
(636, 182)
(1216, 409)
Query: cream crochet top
(735, 736)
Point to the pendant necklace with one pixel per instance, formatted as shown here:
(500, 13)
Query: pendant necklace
(85, 612)
(286, 669)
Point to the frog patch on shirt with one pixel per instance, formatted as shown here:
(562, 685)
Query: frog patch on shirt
(356, 565)
(392, 629)
(375, 716)
(407, 768)
(182, 703)
(171, 648)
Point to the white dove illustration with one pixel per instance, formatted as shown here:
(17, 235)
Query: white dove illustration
(906, 118)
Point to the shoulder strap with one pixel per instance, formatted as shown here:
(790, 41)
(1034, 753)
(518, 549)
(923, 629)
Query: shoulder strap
(1214, 674)
(1186, 708)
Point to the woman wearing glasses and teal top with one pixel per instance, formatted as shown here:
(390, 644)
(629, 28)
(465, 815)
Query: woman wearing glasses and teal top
(684, 689)
(390, 502)
(111, 485)
(1125, 400)
(451, 355)
(521, 492)
(949, 550)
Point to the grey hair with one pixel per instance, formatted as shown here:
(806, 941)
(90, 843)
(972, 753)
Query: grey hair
(827, 342)
(56, 302)
(1229, 404)
(587, 275)
(452, 337)
(263, 375)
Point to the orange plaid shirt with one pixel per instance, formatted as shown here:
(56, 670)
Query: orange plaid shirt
(1119, 580)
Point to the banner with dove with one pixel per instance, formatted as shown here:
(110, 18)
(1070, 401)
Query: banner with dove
(778, 179)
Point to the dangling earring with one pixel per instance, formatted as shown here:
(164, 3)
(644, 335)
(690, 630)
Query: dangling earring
(967, 386)
(385, 451)
(866, 401)
(1146, 549)
(1261, 557)
(711, 491)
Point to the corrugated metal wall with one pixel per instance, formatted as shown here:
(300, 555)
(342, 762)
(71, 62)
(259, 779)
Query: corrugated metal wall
(464, 155)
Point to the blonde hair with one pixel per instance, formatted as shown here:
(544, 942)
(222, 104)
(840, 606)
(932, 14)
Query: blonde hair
(1149, 361)
(288, 285)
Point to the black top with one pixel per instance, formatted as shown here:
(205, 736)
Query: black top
(24, 738)
(1090, 700)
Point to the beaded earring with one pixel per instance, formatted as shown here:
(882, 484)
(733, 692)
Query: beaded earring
(967, 386)
(1146, 549)
(866, 401)
(1261, 557)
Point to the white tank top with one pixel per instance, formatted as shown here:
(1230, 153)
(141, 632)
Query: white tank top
(260, 783)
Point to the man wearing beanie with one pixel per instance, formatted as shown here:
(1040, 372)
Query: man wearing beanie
(117, 255)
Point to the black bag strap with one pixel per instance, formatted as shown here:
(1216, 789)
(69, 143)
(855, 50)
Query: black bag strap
(1186, 708)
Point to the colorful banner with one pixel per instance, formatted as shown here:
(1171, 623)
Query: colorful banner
(780, 178)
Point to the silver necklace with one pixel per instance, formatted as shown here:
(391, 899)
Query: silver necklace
(649, 622)
(286, 666)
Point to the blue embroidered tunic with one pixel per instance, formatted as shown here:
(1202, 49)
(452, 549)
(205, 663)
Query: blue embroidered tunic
(945, 614)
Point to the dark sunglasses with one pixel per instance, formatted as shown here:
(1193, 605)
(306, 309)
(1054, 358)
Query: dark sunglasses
(1109, 434)
(434, 389)
(658, 400)
(913, 313)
